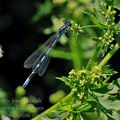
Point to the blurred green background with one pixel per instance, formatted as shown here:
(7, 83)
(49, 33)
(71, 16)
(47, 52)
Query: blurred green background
(26, 24)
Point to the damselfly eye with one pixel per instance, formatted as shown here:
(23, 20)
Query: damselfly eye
(67, 22)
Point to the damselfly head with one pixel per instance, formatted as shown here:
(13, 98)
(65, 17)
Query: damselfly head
(67, 22)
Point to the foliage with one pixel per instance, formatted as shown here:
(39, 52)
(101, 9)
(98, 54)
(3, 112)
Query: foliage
(94, 39)
(89, 45)
(16, 108)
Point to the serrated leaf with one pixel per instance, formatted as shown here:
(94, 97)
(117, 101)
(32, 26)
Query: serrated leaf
(93, 116)
(114, 87)
(116, 115)
(94, 19)
(108, 88)
(108, 71)
(64, 79)
(55, 115)
(108, 103)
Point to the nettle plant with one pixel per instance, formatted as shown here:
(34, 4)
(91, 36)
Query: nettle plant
(93, 96)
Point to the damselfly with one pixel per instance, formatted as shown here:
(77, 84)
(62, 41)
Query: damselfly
(39, 59)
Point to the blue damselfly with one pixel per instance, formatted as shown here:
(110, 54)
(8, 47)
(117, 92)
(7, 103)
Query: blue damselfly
(39, 59)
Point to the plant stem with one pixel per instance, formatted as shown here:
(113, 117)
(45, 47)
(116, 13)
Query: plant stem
(89, 26)
(54, 107)
(108, 56)
(76, 53)
(93, 58)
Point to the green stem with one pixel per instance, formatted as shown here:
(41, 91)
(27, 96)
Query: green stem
(89, 26)
(54, 107)
(108, 56)
(93, 58)
(76, 53)
(61, 54)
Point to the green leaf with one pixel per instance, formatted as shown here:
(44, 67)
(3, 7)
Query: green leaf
(117, 82)
(116, 4)
(116, 115)
(108, 101)
(94, 20)
(108, 71)
(114, 87)
(61, 54)
(43, 10)
(84, 107)
(66, 80)
(55, 115)
(93, 116)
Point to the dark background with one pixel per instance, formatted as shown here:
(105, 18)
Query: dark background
(19, 38)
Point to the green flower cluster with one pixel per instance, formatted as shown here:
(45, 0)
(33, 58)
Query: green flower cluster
(83, 81)
(106, 40)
